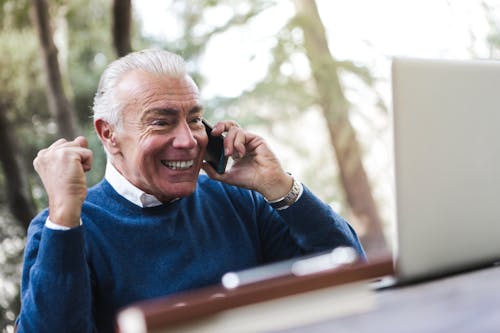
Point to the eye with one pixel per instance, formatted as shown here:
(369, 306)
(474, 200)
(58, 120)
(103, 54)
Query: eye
(195, 121)
(159, 122)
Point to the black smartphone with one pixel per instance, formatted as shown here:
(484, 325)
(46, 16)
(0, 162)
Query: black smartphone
(214, 154)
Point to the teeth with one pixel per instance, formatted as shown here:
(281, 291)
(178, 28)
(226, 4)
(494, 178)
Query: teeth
(178, 165)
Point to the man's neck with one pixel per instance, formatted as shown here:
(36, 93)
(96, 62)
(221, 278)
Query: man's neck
(128, 190)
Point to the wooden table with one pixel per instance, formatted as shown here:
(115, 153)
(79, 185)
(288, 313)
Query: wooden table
(468, 302)
(272, 304)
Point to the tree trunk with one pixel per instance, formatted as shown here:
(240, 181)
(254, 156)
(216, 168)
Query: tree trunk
(18, 193)
(343, 137)
(121, 27)
(59, 105)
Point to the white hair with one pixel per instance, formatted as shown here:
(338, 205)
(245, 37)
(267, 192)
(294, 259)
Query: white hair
(156, 61)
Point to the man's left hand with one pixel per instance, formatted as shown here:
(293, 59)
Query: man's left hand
(255, 166)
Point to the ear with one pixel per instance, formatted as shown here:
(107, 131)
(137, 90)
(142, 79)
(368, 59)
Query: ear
(106, 134)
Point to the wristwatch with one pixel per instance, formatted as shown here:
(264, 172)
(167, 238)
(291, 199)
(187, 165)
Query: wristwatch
(290, 198)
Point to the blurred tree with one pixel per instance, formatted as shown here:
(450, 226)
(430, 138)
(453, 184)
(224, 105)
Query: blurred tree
(26, 122)
(11, 249)
(21, 108)
(284, 97)
(195, 30)
(121, 26)
(493, 21)
(22, 101)
(59, 104)
(335, 109)
(19, 198)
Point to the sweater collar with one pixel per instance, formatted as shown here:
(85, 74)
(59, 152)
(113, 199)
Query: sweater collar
(128, 190)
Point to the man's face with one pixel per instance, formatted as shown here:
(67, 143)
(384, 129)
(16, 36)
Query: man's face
(162, 141)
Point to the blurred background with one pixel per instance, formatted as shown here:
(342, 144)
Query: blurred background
(312, 77)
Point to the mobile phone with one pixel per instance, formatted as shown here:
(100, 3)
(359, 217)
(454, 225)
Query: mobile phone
(214, 154)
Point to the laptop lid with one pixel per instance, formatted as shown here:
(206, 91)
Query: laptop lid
(447, 165)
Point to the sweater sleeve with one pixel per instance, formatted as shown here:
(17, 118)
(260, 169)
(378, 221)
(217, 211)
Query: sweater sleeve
(313, 226)
(55, 287)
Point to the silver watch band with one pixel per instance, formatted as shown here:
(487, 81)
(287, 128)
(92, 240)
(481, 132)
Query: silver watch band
(290, 198)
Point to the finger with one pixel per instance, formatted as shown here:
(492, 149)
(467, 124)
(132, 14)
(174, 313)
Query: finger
(81, 141)
(210, 171)
(235, 143)
(223, 126)
(57, 143)
(64, 154)
(86, 158)
(240, 144)
(38, 158)
(82, 155)
(229, 142)
(44, 155)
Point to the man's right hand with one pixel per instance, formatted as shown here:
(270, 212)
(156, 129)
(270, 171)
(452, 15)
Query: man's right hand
(62, 168)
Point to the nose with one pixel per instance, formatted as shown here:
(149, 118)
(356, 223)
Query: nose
(183, 137)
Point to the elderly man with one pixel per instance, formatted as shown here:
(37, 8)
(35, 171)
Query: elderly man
(153, 226)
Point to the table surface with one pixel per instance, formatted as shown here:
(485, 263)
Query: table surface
(467, 302)
(204, 305)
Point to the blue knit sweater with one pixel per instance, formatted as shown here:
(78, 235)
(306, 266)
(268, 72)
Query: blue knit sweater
(76, 280)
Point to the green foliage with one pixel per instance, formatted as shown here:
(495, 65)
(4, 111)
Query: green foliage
(493, 21)
(90, 50)
(11, 248)
(22, 93)
(14, 14)
(196, 29)
(20, 74)
(24, 97)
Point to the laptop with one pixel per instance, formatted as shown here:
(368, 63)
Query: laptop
(447, 166)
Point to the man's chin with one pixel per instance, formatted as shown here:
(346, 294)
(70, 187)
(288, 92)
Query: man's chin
(178, 190)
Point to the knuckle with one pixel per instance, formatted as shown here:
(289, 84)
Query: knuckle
(62, 140)
(39, 156)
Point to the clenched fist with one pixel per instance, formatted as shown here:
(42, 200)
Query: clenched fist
(62, 168)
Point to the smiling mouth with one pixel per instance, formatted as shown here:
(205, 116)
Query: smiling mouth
(178, 165)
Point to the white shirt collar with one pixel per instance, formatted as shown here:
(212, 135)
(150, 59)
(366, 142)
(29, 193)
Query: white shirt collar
(128, 190)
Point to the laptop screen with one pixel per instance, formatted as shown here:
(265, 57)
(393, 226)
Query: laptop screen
(447, 165)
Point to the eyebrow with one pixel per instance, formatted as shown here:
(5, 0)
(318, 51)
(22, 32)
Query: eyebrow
(170, 111)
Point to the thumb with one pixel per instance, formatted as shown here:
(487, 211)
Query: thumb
(81, 141)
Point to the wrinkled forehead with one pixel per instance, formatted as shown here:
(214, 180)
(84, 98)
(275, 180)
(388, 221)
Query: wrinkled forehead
(141, 92)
